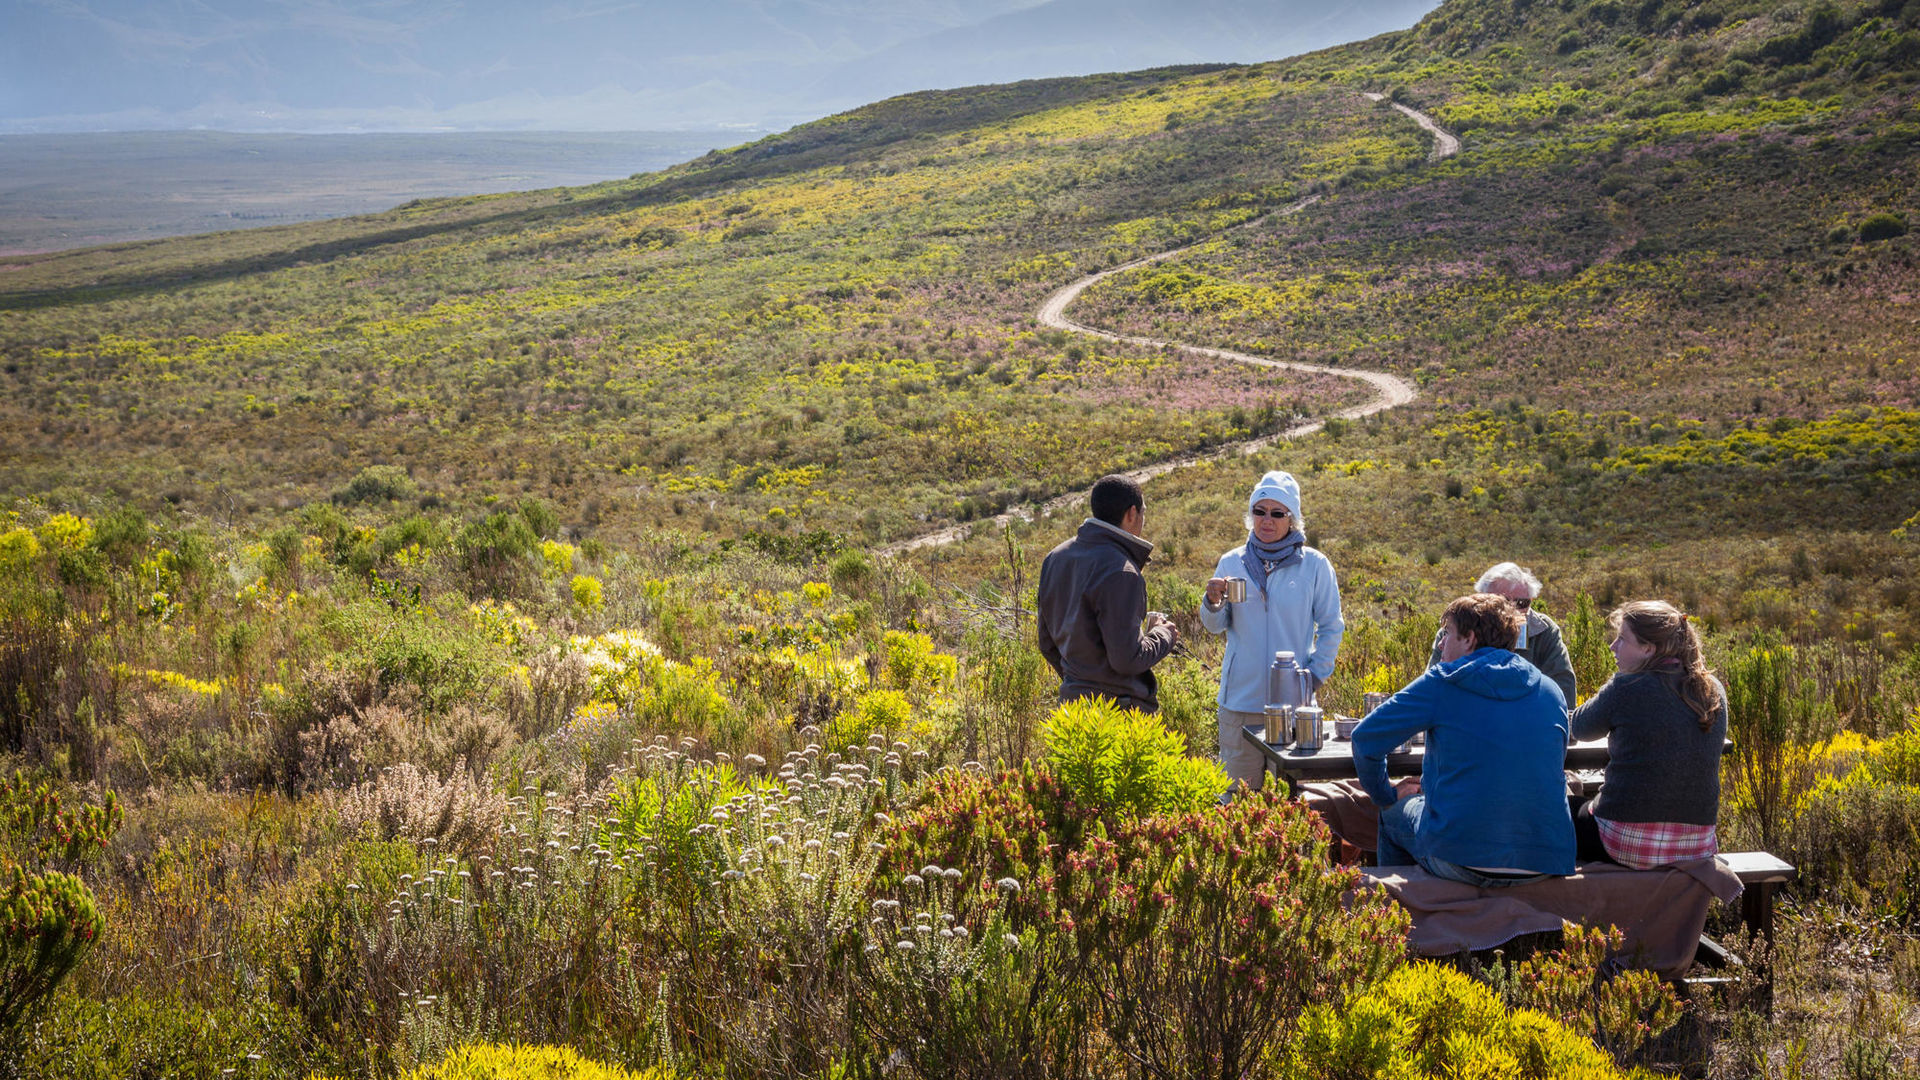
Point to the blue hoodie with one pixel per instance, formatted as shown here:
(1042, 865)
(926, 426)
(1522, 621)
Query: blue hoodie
(1496, 794)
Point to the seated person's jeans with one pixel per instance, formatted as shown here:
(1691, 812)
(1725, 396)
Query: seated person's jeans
(1400, 845)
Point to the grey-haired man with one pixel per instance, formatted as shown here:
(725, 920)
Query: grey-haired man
(1541, 643)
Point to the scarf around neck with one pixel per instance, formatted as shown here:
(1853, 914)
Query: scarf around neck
(1263, 559)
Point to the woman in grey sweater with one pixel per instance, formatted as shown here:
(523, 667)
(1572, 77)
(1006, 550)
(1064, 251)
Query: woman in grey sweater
(1664, 717)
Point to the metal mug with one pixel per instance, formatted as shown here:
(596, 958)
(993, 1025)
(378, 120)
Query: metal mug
(1279, 724)
(1235, 591)
(1306, 727)
(1371, 701)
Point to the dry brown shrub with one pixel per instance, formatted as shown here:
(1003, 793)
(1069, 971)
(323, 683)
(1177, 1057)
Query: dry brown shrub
(342, 731)
(556, 685)
(408, 802)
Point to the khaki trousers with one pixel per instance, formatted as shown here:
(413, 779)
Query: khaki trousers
(1242, 760)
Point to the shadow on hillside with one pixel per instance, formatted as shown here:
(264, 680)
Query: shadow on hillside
(833, 140)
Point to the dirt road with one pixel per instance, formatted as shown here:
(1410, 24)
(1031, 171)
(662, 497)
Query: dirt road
(1392, 391)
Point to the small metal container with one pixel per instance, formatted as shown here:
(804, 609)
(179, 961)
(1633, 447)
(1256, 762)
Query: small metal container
(1236, 590)
(1307, 733)
(1371, 701)
(1279, 725)
(1343, 726)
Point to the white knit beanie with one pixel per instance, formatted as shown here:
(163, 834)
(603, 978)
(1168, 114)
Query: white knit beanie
(1281, 488)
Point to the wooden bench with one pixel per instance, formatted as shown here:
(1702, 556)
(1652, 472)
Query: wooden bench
(1761, 874)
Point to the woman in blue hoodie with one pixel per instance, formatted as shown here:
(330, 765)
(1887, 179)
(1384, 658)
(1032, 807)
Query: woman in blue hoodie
(1292, 605)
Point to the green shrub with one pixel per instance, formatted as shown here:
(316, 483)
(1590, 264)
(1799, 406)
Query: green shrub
(148, 1036)
(765, 968)
(1211, 931)
(48, 920)
(1619, 1010)
(952, 990)
(877, 712)
(496, 553)
(444, 661)
(377, 483)
(1431, 1021)
(1189, 703)
(1859, 833)
(310, 953)
(1882, 227)
(666, 801)
(850, 570)
(1589, 645)
(121, 533)
(1125, 763)
(1771, 716)
(1009, 690)
(979, 857)
(1377, 655)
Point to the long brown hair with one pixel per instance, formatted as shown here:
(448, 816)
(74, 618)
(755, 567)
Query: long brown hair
(1673, 636)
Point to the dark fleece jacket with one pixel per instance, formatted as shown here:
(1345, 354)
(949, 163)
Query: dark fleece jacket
(1092, 600)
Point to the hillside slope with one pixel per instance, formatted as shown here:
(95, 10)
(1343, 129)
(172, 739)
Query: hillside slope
(1668, 273)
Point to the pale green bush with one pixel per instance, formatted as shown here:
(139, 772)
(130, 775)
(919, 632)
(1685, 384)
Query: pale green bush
(1124, 762)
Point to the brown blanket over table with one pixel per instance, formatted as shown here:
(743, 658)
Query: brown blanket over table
(1661, 911)
(1347, 810)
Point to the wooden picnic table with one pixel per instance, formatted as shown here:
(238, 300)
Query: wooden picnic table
(1334, 758)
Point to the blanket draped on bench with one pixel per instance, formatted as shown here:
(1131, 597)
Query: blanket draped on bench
(1662, 912)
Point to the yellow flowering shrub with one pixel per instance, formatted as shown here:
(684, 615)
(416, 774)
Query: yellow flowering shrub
(64, 532)
(884, 711)
(1426, 1020)
(557, 557)
(913, 667)
(660, 695)
(588, 594)
(494, 1061)
(1858, 828)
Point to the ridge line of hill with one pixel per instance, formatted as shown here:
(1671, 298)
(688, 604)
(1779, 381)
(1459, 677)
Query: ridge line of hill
(1393, 391)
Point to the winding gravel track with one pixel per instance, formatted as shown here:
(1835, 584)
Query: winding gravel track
(1392, 391)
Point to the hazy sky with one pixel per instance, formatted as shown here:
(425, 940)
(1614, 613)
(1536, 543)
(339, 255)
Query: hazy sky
(345, 65)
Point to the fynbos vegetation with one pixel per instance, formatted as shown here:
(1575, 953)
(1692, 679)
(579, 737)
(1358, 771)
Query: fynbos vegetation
(449, 643)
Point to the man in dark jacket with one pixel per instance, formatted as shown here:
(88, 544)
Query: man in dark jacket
(1092, 602)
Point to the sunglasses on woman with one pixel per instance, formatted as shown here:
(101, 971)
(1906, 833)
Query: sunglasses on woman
(1283, 512)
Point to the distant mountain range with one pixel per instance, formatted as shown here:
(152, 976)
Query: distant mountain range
(1081, 37)
(412, 65)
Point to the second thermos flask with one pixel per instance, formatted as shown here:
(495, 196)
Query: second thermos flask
(1287, 682)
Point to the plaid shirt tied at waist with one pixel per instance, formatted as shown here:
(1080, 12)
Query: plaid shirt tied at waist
(1645, 845)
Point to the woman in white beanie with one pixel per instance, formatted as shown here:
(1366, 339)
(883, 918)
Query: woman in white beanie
(1292, 605)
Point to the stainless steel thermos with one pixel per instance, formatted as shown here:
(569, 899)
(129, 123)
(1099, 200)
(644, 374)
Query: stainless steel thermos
(1289, 693)
(1287, 682)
